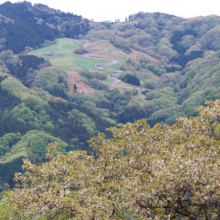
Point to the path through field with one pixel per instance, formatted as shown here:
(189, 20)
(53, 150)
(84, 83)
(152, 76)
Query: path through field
(114, 62)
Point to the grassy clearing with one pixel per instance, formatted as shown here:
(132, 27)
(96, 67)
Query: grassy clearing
(78, 63)
(62, 47)
(61, 55)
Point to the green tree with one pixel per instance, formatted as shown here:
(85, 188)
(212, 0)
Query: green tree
(165, 172)
(75, 88)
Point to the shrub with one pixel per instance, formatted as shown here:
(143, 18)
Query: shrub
(92, 75)
(149, 84)
(129, 78)
(80, 50)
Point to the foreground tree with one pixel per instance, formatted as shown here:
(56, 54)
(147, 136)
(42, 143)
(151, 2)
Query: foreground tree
(141, 173)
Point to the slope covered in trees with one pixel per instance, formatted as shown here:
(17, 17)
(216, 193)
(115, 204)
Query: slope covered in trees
(169, 172)
(26, 25)
(167, 66)
(175, 59)
(31, 117)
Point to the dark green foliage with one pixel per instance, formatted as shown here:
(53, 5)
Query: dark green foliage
(153, 95)
(126, 27)
(32, 145)
(131, 114)
(132, 79)
(155, 15)
(118, 101)
(31, 61)
(75, 87)
(28, 27)
(24, 31)
(23, 67)
(175, 39)
(7, 171)
(145, 92)
(184, 59)
(26, 110)
(134, 63)
(73, 31)
(100, 75)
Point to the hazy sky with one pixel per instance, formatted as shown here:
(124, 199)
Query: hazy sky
(101, 10)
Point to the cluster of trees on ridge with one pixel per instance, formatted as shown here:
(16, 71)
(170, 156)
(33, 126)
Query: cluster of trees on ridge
(162, 36)
(168, 172)
(23, 24)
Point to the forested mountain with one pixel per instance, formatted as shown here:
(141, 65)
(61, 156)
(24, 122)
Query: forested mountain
(26, 25)
(53, 88)
(175, 59)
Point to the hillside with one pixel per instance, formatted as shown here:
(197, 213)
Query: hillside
(66, 79)
(175, 59)
(166, 55)
(26, 25)
(31, 117)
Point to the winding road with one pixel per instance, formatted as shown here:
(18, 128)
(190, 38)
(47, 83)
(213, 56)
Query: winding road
(101, 67)
(115, 78)
(97, 66)
(114, 62)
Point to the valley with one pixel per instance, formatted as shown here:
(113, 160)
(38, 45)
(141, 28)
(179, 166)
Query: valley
(68, 79)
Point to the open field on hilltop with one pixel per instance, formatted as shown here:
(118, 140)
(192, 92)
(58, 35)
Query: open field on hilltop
(62, 46)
